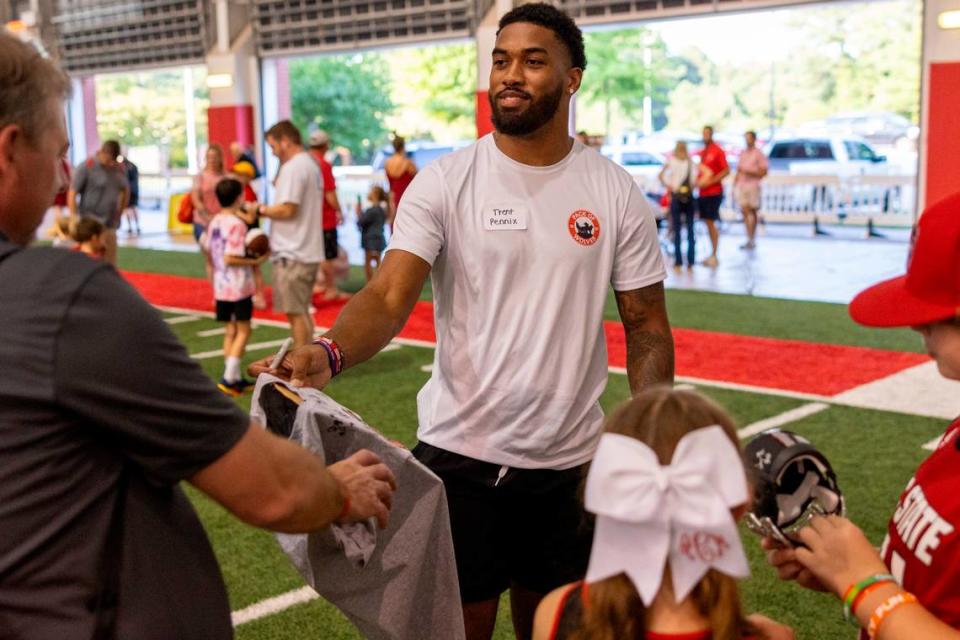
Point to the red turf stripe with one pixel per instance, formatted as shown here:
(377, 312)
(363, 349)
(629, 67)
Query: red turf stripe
(789, 365)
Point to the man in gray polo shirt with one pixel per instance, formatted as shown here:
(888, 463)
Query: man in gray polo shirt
(103, 414)
(101, 183)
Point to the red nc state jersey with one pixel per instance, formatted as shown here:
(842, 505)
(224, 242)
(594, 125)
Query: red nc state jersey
(922, 547)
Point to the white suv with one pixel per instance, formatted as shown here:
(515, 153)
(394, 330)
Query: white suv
(842, 157)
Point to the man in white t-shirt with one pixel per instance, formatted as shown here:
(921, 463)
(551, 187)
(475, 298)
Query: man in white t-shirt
(522, 233)
(296, 229)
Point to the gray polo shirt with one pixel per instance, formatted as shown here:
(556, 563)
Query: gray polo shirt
(99, 188)
(100, 405)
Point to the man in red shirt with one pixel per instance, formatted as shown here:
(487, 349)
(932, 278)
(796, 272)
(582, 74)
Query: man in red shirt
(332, 217)
(713, 169)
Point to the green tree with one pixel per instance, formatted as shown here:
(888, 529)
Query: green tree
(617, 75)
(346, 95)
(434, 89)
(863, 57)
(146, 109)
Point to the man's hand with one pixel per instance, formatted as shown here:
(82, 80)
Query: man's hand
(838, 553)
(770, 629)
(367, 484)
(306, 366)
(784, 561)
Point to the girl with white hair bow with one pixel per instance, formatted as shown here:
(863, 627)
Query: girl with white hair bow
(667, 484)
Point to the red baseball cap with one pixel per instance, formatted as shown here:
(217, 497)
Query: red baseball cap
(930, 290)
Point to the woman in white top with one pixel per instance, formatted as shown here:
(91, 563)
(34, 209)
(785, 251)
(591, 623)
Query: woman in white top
(678, 176)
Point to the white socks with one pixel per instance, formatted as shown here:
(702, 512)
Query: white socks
(231, 372)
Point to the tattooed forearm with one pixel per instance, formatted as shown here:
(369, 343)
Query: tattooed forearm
(649, 340)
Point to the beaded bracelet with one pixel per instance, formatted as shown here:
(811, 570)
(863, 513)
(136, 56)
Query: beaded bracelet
(334, 354)
(887, 607)
(853, 591)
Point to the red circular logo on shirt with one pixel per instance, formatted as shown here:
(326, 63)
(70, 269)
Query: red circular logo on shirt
(584, 227)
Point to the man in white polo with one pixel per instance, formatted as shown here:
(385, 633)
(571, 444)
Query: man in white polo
(523, 234)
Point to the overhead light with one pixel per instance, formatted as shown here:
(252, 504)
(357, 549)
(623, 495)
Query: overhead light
(949, 20)
(219, 80)
(16, 26)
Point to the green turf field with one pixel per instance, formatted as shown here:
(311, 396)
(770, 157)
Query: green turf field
(874, 452)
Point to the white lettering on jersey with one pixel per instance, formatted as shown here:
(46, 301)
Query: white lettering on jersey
(919, 525)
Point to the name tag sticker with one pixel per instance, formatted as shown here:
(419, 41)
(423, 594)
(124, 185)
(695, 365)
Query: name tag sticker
(505, 218)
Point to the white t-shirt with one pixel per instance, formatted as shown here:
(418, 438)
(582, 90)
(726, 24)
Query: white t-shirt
(299, 238)
(677, 172)
(226, 236)
(523, 258)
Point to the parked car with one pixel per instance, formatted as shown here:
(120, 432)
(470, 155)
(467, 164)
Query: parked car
(642, 164)
(422, 152)
(825, 155)
(876, 128)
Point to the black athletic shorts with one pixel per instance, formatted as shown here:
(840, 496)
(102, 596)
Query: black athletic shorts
(239, 310)
(330, 244)
(709, 207)
(528, 529)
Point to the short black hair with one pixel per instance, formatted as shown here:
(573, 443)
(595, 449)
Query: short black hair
(111, 148)
(228, 190)
(549, 17)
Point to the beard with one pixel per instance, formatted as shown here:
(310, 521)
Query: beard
(524, 122)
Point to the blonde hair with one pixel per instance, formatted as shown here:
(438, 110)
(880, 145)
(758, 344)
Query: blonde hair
(659, 417)
(27, 82)
(681, 148)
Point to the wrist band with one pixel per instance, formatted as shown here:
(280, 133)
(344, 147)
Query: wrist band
(334, 354)
(853, 592)
(860, 597)
(346, 508)
(887, 607)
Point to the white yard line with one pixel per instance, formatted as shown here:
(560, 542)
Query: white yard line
(785, 418)
(218, 353)
(919, 390)
(219, 331)
(933, 444)
(273, 605)
(914, 391)
(181, 319)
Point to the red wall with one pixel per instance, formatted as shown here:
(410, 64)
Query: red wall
(484, 123)
(943, 132)
(230, 124)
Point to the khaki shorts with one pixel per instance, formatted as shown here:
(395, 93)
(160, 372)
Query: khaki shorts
(293, 285)
(748, 196)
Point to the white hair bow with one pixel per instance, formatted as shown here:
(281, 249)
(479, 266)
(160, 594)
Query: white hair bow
(648, 513)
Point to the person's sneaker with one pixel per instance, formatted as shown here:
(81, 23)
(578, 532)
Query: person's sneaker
(234, 389)
(711, 261)
(750, 244)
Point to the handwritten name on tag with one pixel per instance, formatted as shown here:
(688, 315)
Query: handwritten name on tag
(505, 218)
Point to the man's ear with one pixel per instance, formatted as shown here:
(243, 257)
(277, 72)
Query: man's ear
(11, 138)
(574, 78)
